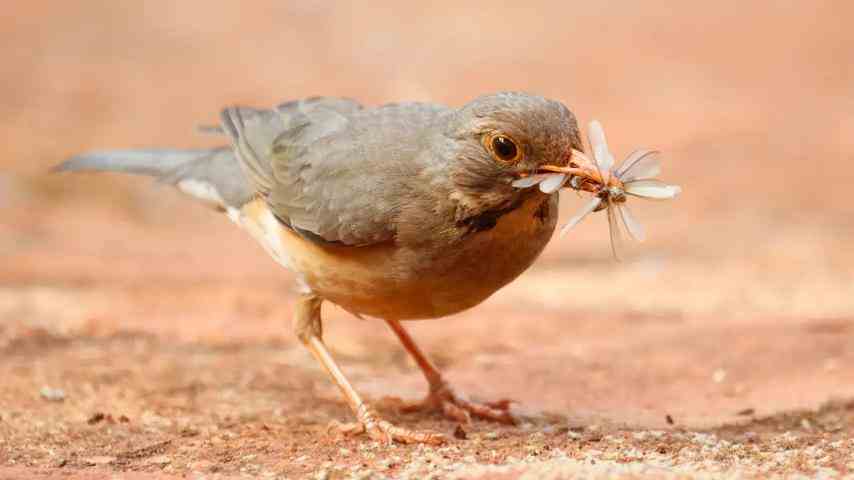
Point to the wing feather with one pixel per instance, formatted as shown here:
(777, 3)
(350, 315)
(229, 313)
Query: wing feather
(330, 168)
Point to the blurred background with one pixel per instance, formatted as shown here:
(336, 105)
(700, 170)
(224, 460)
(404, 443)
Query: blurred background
(749, 273)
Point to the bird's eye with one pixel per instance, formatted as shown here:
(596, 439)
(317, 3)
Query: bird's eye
(505, 149)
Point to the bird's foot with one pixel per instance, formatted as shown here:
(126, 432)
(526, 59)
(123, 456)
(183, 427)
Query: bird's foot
(383, 431)
(443, 398)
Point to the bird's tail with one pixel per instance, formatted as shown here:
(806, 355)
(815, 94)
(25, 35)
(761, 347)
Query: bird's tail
(212, 175)
(154, 163)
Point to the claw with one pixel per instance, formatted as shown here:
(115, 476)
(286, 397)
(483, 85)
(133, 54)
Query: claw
(384, 431)
(457, 407)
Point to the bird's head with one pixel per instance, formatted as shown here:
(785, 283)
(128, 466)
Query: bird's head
(502, 146)
(498, 139)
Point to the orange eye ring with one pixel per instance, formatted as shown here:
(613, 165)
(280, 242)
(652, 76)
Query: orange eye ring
(503, 148)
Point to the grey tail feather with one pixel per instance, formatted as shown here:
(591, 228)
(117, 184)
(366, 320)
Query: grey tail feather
(216, 170)
(155, 162)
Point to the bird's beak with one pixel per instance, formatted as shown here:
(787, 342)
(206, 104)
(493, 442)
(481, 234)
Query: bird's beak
(581, 170)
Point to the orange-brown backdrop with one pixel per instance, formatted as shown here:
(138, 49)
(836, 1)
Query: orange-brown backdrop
(750, 272)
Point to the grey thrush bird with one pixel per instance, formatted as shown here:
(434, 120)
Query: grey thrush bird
(404, 211)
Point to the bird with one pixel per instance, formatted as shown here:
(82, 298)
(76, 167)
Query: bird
(402, 211)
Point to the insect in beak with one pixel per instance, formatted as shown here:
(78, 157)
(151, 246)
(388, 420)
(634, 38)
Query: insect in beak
(610, 185)
(580, 174)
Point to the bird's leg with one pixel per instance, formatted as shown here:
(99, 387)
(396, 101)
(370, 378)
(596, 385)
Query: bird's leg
(442, 396)
(308, 327)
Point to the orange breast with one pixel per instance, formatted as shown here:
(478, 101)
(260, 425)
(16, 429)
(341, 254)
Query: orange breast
(392, 281)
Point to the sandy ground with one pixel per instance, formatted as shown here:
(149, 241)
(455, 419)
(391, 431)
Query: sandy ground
(143, 335)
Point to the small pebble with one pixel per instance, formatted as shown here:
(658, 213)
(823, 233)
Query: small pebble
(159, 460)
(362, 475)
(831, 364)
(99, 460)
(322, 475)
(52, 394)
(550, 429)
(96, 418)
(201, 465)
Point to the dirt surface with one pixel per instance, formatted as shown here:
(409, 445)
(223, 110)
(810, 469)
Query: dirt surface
(142, 335)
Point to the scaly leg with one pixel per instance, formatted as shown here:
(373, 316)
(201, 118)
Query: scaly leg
(308, 327)
(442, 396)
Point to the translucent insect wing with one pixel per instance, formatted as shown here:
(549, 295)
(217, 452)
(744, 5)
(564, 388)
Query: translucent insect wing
(633, 226)
(587, 209)
(529, 181)
(653, 189)
(614, 231)
(640, 165)
(553, 183)
(599, 146)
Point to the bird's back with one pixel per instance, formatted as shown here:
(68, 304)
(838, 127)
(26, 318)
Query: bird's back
(331, 169)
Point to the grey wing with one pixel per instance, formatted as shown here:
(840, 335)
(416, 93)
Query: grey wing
(329, 169)
(254, 132)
